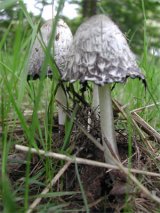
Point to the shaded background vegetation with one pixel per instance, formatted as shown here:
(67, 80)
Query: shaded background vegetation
(128, 14)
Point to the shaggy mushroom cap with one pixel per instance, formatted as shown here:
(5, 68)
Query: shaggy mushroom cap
(100, 53)
(63, 39)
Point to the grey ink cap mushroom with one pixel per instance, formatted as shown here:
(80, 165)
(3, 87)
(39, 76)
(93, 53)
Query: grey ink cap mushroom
(100, 53)
(61, 45)
(63, 39)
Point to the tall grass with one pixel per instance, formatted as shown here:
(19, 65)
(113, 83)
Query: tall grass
(17, 96)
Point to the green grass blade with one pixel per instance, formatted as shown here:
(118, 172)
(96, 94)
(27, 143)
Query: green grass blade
(7, 3)
(68, 128)
(82, 189)
(9, 204)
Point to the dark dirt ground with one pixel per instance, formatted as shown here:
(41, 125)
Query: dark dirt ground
(106, 190)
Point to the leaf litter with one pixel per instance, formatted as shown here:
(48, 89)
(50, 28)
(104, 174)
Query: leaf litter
(105, 189)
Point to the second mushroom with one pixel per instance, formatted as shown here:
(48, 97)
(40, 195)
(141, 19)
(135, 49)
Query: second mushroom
(61, 44)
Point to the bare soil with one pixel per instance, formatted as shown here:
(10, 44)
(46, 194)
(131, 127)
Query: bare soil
(105, 190)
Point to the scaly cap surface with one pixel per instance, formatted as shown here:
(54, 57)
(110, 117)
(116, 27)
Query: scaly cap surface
(100, 53)
(63, 39)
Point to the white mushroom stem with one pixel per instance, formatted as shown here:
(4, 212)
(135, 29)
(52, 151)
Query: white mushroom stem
(95, 100)
(95, 106)
(61, 97)
(107, 122)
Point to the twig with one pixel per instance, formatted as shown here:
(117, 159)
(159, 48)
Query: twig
(145, 107)
(93, 204)
(46, 190)
(84, 161)
(126, 160)
(93, 140)
(145, 126)
(143, 137)
(139, 122)
(136, 181)
(119, 107)
(25, 113)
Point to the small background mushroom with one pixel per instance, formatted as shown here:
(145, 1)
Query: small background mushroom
(62, 42)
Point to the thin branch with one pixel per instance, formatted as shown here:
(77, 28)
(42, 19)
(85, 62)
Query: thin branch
(95, 203)
(84, 161)
(143, 137)
(93, 140)
(120, 108)
(136, 181)
(46, 190)
(145, 107)
(145, 126)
